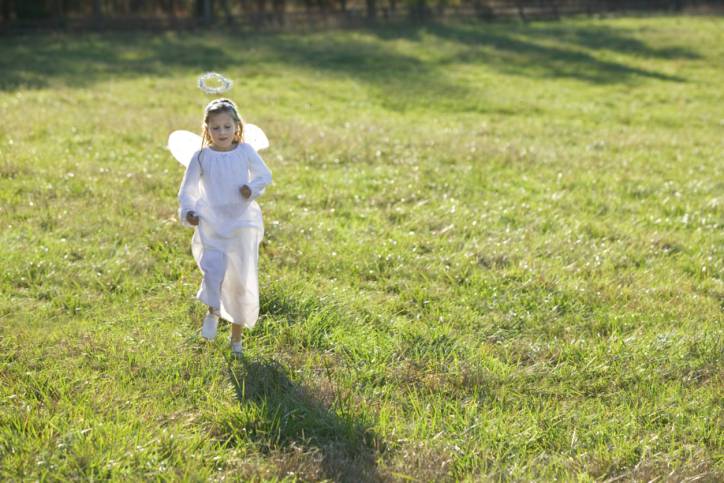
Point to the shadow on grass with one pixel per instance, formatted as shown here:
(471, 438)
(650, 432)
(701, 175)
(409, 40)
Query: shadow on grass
(371, 56)
(290, 416)
(550, 50)
(82, 60)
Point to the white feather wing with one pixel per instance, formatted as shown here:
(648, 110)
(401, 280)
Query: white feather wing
(255, 136)
(183, 144)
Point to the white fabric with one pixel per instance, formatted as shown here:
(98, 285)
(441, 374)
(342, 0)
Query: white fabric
(226, 242)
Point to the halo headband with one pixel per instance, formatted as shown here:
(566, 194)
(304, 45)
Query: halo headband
(221, 102)
(219, 83)
(220, 105)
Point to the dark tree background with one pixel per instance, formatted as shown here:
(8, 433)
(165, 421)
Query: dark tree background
(259, 12)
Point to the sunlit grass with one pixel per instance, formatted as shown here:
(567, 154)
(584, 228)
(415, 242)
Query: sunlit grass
(492, 251)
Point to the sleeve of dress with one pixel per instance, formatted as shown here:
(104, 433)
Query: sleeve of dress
(259, 174)
(188, 193)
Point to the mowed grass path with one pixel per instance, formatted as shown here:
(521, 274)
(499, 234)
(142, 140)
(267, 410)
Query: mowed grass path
(493, 251)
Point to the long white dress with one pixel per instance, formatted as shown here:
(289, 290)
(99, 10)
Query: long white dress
(226, 241)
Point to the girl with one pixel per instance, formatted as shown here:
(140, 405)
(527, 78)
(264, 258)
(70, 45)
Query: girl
(217, 198)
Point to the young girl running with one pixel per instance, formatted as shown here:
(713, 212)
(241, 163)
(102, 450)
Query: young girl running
(217, 197)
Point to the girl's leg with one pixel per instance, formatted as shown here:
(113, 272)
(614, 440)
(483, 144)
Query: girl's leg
(235, 332)
(213, 266)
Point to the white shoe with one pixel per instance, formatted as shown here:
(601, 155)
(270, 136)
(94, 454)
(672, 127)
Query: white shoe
(236, 348)
(211, 322)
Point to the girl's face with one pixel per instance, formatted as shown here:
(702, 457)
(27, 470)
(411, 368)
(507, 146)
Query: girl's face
(221, 128)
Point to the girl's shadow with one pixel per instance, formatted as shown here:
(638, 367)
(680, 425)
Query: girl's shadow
(288, 415)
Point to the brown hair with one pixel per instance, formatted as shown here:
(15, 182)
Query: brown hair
(218, 106)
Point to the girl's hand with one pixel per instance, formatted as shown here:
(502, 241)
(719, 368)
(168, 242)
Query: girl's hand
(245, 191)
(192, 218)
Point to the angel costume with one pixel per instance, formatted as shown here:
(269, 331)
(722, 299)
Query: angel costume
(226, 241)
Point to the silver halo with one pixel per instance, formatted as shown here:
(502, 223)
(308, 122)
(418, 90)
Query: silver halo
(225, 84)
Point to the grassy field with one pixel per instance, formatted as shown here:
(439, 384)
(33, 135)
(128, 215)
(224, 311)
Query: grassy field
(493, 251)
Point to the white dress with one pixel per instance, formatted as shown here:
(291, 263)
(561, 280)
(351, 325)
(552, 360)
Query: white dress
(226, 241)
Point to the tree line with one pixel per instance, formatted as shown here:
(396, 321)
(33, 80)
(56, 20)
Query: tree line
(210, 11)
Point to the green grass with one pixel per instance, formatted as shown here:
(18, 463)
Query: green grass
(493, 251)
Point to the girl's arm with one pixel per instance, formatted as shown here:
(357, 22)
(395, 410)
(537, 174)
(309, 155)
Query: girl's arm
(260, 176)
(188, 193)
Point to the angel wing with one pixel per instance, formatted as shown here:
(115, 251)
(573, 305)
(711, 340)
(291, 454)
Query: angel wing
(183, 144)
(255, 136)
